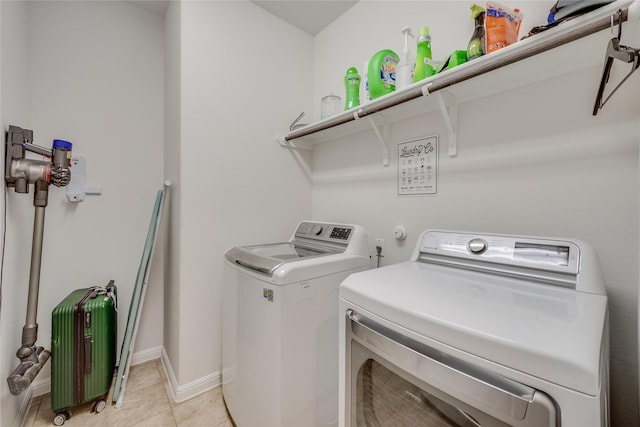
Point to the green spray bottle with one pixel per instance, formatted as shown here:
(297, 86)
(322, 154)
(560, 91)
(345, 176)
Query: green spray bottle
(424, 64)
(352, 87)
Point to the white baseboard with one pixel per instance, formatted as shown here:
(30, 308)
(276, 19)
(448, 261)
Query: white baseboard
(180, 393)
(146, 355)
(40, 387)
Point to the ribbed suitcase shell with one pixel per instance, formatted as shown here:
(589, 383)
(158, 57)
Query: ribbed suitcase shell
(83, 348)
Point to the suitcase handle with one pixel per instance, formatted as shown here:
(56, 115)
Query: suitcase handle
(110, 290)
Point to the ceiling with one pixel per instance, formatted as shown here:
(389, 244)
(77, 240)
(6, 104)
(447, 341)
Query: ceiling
(159, 7)
(308, 15)
(311, 16)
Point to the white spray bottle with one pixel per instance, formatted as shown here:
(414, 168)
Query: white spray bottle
(365, 96)
(404, 70)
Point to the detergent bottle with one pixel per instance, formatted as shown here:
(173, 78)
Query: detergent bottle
(404, 72)
(352, 88)
(424, 63)
(382, 73)
(476, 47)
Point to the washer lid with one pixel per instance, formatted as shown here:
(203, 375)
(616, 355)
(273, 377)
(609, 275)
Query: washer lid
(267, 258)
(554, 333)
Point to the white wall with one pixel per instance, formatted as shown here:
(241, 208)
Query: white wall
(531, 161)
(244, 76)
(93, 74)
(14, 108)
(172, 172)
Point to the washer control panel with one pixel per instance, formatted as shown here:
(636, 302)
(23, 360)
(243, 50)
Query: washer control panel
(325, 232)
(538, 253)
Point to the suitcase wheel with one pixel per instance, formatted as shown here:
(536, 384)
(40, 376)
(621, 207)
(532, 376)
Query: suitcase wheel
(98, 406)
(61, 417)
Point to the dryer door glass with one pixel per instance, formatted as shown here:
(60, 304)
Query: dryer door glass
(387, 399)
(395, 380)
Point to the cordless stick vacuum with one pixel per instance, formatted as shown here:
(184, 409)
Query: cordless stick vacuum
(19, 173)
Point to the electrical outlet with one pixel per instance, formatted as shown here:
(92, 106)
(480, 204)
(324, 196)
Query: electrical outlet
(380, 242)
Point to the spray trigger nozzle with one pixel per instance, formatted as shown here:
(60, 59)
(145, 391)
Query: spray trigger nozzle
(407, 33)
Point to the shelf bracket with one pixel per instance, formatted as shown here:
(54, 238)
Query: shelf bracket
(383, 138)
(449, 110)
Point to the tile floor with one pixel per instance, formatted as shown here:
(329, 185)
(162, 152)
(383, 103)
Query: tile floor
(147, 402)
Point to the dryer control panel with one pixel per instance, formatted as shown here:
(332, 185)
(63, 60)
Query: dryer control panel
(533, 253)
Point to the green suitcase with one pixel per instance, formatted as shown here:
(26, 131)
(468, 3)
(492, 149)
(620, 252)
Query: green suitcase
(83, 350)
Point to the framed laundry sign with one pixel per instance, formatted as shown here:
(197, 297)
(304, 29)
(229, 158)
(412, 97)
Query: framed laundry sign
(418, 166)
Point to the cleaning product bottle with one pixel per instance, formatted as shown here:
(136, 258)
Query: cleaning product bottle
(404, 72)
(364, 84)
(424, 64)
(476, 47)
(352, 87)
(382, 73)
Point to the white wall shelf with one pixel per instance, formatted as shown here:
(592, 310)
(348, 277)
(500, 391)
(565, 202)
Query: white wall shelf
(554, 52)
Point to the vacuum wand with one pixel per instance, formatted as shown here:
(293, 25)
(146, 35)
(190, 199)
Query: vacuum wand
(19, 173)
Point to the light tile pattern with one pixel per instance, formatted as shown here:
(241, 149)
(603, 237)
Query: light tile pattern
(147, 403)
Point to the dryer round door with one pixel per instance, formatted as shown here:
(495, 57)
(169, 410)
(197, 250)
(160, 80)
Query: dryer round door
(393, 380)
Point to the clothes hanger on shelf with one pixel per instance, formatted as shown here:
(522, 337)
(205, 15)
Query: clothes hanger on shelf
(615, 50)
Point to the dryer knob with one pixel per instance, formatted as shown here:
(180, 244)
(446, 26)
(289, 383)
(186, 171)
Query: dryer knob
(477, 246)
(318, 230)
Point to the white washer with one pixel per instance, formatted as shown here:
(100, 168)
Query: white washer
(477, 330)
(280, 325)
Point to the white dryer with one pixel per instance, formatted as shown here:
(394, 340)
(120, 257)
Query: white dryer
(477, 330)
(280, 325)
